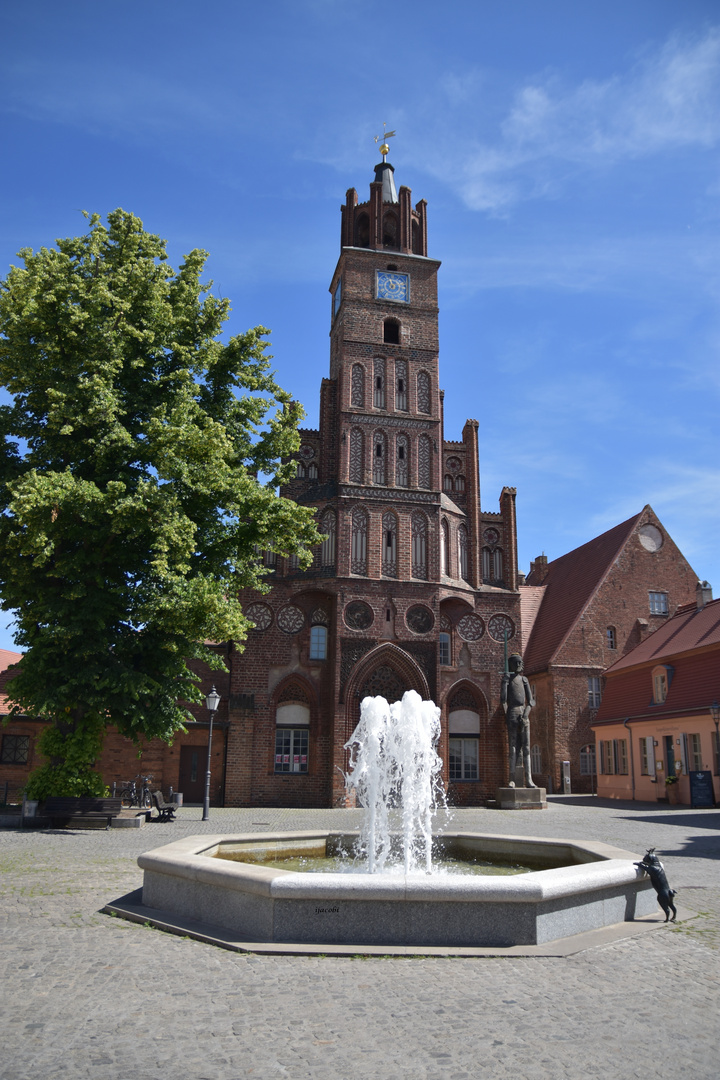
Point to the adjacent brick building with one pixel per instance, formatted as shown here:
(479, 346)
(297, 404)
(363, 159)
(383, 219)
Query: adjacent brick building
(580, 613)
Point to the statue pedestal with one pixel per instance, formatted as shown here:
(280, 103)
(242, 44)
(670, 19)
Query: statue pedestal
(521, 798)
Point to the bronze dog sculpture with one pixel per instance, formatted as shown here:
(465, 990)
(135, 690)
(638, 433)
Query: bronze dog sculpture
(655, 869)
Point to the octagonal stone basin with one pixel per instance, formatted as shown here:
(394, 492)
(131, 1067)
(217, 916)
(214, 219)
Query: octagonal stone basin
(598, 886)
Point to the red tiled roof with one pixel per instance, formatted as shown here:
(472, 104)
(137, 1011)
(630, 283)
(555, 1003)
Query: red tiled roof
(530, 600)
(570, 583)
(695, 681)
(690, 628)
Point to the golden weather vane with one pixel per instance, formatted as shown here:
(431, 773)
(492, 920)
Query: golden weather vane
(384, 149)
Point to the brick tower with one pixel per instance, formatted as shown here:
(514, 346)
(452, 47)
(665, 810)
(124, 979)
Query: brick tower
(415, 586)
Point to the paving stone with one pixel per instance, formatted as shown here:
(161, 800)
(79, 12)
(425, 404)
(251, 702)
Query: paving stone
(88, 997)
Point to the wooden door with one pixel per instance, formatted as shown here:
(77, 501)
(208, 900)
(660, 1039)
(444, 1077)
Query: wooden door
(193, 769)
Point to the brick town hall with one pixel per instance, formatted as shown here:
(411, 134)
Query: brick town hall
(415, 586)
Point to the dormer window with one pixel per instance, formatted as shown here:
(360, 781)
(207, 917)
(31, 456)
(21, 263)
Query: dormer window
(661, 677)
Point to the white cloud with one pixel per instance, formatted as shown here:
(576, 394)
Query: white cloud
(669, 99)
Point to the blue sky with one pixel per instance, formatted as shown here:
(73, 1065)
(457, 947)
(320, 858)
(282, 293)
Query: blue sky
(569, 156)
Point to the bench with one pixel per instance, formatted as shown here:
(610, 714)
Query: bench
(166, 811)
(64, 809)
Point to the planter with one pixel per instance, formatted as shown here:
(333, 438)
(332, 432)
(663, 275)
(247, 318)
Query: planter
(673, 794)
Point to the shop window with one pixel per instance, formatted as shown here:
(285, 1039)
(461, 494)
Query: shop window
(15, 749)
(291, 750)
(318, 643)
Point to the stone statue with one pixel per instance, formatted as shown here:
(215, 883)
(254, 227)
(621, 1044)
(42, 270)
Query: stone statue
(517, 700)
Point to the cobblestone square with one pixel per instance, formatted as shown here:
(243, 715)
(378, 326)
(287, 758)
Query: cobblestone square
(89, 996)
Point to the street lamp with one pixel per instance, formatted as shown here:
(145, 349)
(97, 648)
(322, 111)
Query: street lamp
(211, 701)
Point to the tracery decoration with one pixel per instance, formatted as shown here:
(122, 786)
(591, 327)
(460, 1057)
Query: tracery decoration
(384, 682)
(471, 627)
(463, 699)
(357, 387)
(306, 452)
(445, 624)
(423, 461)
(419, 546)
(491, 536)
(328, 526)
(358, 615)
(260, 614)
(419, 619)
(358, 552)
(293, 692)
(498, 625)
(453, 465)
(357, 456)
(290, 619)
(389, 549)
(319, 617)
(463, 563)
(423, 392)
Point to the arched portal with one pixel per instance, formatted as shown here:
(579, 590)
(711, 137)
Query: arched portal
(386, 670)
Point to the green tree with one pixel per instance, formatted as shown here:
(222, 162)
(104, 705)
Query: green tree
(130, 504)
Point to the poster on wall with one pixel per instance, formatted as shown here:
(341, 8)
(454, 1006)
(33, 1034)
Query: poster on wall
(701, 789)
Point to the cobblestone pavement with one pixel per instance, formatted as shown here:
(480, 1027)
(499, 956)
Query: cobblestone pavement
(91, 997)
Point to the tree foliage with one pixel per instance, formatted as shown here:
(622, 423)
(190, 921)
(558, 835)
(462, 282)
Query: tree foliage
(130, 504)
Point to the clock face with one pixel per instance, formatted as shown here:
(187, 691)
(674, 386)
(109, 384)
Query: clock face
(391, 286)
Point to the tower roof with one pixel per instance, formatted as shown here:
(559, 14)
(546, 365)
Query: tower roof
(384, 175)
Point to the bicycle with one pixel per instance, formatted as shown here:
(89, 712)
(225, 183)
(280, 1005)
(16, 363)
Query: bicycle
(132, 795)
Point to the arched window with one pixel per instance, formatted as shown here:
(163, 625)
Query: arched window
(300, 469)
(390, 230)
(362, 231)
(423, 392)
(318, 643)
(444, 654)
(389, 550)
(357, 456)
(536, 759)
(293, 563)
(416, 238)
(447, 482)
(270, 558)
(401, 385)
(327, 526)
(459, 483)
(445, 547)
(419, 546)
(497, 564)
(357, 387)
(379, 383)
(358, 554)
(486, 564)
(391, 332)
(401, 461)
(463, 552)
(312, 471)
(423, 461)
(379, 475)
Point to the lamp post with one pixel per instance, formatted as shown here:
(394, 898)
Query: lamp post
(211, 701)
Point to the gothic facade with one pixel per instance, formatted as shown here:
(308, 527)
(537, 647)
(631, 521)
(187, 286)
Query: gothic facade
(415, 585)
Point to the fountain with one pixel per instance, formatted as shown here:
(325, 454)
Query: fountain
(395, 771)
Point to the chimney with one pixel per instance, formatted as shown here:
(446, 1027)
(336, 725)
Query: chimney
(703, 594)
(538, 570)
